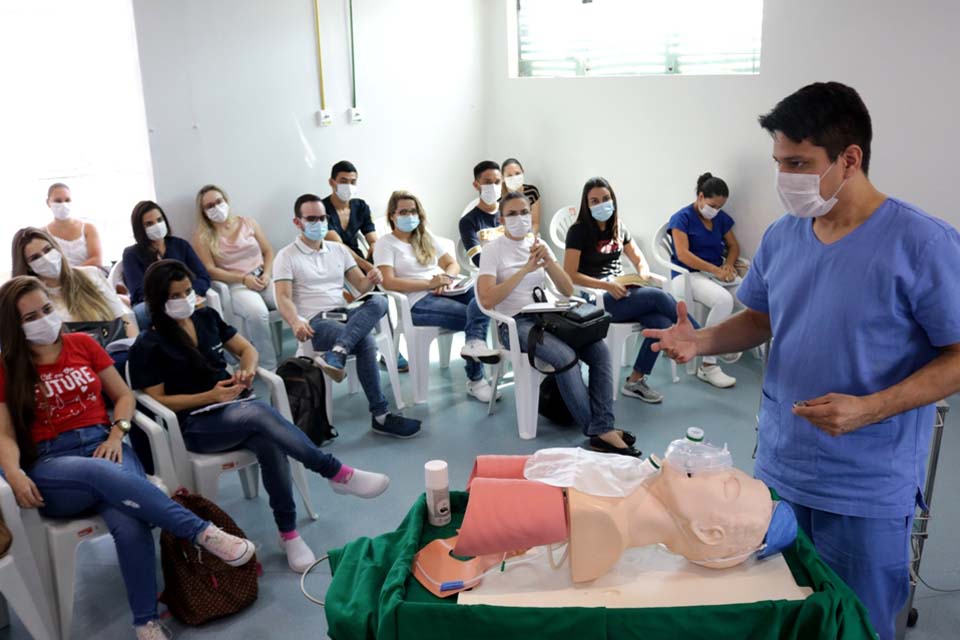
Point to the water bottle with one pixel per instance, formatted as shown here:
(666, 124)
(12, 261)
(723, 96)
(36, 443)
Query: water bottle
(438, 492)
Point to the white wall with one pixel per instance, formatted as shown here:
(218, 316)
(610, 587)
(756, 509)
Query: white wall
(652, 136)
(231, 90)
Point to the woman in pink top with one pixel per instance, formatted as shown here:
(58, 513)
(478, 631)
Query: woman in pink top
(234, 250)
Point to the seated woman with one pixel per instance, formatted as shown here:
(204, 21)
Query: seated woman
(413, 263)
(512, 172)
(60, 453)
(701, 233)
(79, 241)
(595, 243)
(235, 250)
(180, 363)
(79, 294)
(511, 267)
(155, 241)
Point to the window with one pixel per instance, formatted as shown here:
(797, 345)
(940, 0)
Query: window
(560, 38)
(72, 112)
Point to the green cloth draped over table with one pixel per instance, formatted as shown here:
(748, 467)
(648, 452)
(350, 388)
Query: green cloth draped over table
(374, 595)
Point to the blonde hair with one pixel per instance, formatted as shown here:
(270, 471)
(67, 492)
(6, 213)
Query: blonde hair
(422, 242)
(78, 292)
(206, 229)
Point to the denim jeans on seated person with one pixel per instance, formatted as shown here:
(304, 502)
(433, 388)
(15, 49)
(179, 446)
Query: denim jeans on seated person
(74, 484)
(590, 405)
(257, 426)
(458, 313)
(356, 338)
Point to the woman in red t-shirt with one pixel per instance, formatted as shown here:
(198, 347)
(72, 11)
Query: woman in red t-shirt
(60, 452)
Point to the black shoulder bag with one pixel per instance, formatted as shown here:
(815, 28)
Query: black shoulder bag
(103, 332)
(578, 326)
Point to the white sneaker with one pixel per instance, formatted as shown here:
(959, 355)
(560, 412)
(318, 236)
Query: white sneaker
(363, 484)
(299, 555)
(481, 390)
(153, 630)
(714, 375)
(478, 350)
(233, 550)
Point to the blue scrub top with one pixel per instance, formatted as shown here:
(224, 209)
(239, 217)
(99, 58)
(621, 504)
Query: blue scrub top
(706, 244)
(854, 317)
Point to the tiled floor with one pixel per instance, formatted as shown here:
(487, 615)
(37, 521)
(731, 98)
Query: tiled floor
(456, 429)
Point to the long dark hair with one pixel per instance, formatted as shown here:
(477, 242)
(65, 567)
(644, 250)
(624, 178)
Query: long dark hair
(156, 290)
(144, 244)
(20, 372)
(591, 225)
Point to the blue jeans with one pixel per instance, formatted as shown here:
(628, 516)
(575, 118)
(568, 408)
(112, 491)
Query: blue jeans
(74, 484)
(590, 405)
(260, 428)
(870, 554)
(356, 338)
(143, 315)
(459, 313)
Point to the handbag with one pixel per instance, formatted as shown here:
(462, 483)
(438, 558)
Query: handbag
(576, 327)
(103, 332)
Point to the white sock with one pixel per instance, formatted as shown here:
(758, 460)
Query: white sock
(381, 420)
(338, 349)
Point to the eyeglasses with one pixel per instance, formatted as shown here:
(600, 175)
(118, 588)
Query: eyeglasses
(312, 219)
(408, 212)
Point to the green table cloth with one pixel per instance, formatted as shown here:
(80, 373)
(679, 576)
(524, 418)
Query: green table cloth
(373, 595)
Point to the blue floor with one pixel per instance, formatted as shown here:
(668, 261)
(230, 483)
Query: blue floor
(457, 429)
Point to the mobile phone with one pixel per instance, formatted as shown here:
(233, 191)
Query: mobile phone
(339, 316)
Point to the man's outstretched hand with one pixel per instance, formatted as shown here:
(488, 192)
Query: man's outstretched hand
(679, 342)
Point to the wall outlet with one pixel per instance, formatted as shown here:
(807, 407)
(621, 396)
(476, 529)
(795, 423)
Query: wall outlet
(324, 118)
(356, 117)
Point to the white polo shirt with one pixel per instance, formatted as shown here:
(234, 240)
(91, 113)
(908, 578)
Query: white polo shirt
(316, 276)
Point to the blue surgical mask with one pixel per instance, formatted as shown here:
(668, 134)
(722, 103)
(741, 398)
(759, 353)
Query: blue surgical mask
(408, 223)
(603, 211)
(315, 230)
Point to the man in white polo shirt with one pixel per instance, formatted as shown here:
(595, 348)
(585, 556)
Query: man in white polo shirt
(309, 275)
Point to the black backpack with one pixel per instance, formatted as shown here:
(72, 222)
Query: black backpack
(306, 393)
(552, 406)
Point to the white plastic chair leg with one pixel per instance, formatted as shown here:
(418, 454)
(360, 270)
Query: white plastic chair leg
(353, 382)
(527, 394)
(24, 602)
(444, 342)
(250, 481)
(208, 484)
(328, 397)
(495, 383)
(299, 473)
(616, 343)
(388, 348)
(63, 551)
(420, 367)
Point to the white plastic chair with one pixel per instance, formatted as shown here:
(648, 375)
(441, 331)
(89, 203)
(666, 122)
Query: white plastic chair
(21, 574)
(559, 224)
(200, 472)
(230, 317)
(419, 339)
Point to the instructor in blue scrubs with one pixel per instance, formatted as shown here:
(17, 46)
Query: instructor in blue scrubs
(861, 294)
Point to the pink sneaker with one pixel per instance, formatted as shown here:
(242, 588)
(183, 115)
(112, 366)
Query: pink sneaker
(234, 551)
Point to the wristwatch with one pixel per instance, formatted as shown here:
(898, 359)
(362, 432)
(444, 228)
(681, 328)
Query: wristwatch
(124, 425)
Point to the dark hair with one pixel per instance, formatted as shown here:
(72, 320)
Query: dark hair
(510, 196)
(591, 225)
(486, 165)
(144, 244)
(20, 372)
(509, 161)
(156, 291)
(344, 166)
(56, 185)
(829, 114)
(302, 200)
(710, 185)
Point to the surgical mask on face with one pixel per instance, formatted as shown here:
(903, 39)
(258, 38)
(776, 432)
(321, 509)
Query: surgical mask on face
(43, 330)
(347, 192)
(800, 193)
(708, 212)
(603, 211)
(61, 210)
(48, 264)
(315, 230)
(181, 308)
(514, 183)
(218, 212)
(490, 193)
(408, 223)
(518, 226)
(157, 231)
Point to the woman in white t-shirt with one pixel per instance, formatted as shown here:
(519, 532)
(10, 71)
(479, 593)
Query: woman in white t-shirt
(511, 267)
(413, 263)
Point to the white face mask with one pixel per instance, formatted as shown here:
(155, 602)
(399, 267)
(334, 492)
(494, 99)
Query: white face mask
(48, 264)
(347, 192)
(490, 193)
(218, 212)
(514, 183)
(181, 308)
(708, 212)
(800, 194)
(61, 210)
(43, 330)
(157, 231)
(518, 226)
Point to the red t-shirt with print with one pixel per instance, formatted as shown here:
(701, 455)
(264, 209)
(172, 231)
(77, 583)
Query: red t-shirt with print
(68, 395)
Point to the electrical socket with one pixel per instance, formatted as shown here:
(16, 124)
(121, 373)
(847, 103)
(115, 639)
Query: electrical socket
(324, 118)
(356, 117)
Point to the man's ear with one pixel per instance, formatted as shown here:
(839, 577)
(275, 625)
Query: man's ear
(852, 160)
(476, 185)
(332, 183)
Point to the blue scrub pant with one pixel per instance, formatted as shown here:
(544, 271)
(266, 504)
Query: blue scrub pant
(870, 554)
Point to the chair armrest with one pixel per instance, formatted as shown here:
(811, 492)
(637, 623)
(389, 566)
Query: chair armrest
(403, 306)
(167, 418)
(160, 448)
(659, 279)
(278, 392)
(226, 300)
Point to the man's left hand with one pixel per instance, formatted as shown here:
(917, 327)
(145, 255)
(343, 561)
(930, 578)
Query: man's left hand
(837, 413)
